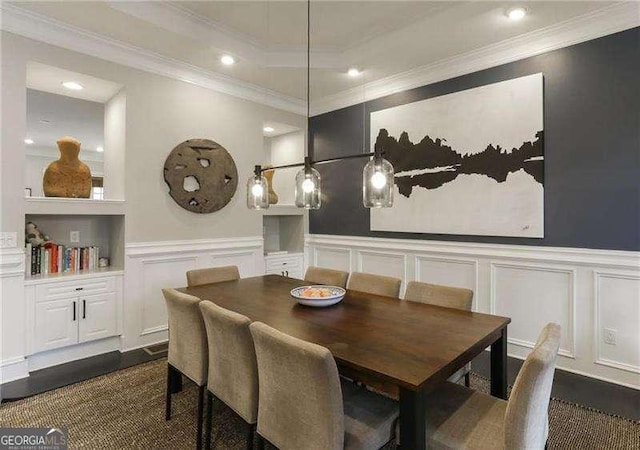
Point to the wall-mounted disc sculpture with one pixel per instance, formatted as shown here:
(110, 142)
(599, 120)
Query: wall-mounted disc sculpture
(201, 175)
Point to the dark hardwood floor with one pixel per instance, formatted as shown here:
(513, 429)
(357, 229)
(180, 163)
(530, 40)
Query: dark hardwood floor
(606, 397)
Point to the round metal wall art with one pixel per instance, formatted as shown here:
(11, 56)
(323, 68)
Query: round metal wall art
(201, 175)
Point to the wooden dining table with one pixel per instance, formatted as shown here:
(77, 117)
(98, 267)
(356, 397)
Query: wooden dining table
(411, 345)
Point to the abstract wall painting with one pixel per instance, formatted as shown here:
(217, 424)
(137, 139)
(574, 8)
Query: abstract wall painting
(466, 163)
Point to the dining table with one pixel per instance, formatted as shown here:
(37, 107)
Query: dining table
(411, 345)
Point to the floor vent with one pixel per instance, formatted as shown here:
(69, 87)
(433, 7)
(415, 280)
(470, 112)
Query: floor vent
(157, 349)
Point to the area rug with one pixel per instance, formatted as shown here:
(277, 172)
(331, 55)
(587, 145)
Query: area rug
(125, 410)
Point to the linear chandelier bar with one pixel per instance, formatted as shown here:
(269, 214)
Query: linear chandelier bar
(320, 161)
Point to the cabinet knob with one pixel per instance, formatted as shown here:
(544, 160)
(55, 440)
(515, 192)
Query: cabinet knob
(79, 289)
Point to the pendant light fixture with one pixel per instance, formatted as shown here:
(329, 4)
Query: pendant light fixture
(308, 191)
(257, 190)
(377, 181)
(377, 175)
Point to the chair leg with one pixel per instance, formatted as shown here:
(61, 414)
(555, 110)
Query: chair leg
(207, 425)
(200, 416)
(260, 441)
(167, 413)
(250, 435)
(467, 379)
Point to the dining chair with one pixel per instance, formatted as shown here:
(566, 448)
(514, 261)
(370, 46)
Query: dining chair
(331, 277)
(211, 275)
(233, 371)
(374, 284)
(461, 418)
(188, 352)
(449, 297)
(302, 405)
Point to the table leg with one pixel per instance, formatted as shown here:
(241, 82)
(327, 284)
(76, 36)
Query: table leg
(499, 366)
(413, 426)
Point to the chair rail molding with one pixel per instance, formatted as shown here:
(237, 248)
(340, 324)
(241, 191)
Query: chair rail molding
(151, 266)
(584, 290)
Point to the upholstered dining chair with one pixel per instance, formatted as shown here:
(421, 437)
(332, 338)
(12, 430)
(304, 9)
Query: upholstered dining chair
(458, 417)
(302, 405)
(449, 297)
(188, 354)
(210, 275)
(233, 371)
(331, 277)
(374, 284)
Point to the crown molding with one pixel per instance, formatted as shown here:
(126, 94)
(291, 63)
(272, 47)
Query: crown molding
(605, 21)
(42, 28)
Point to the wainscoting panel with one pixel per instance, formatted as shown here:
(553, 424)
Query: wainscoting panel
(334, 258)
(461, 273)
(149, 267)
(617, 320)
(532, 297)
(585, 291)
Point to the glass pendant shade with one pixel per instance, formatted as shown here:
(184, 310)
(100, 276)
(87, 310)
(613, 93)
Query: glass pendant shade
(308, 193)
(377, 183)
(257, 191)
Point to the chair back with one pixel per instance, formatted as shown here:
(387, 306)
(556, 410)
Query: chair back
(212, 275)
(187, 336)
(300, 404)
(374, 284)
(331, 277)
(526, 420)
(433, 294)
(233, 371)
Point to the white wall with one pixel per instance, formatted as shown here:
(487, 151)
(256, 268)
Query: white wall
(286, 149)
(160, 113)
(585, 291)
(115, 143)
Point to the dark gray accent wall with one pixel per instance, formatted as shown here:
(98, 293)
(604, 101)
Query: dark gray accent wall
(592, 147)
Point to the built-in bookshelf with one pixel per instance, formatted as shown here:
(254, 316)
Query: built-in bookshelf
(94, 237)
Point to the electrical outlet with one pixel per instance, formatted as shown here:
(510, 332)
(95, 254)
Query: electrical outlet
(74, 237)
(8, 239)
(610, 336)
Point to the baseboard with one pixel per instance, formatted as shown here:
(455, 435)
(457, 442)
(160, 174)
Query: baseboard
(13, 369)
(72, 353)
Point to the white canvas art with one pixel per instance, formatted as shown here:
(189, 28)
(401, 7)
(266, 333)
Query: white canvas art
(470, 163)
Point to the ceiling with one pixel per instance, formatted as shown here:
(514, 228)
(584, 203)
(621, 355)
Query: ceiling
(52, 116)
(268, 39)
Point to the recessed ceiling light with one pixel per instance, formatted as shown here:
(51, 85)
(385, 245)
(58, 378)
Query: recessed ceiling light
(28, 141)
(99, 149)
(353, 72)
(268, 129)
(72, 85)
(227, 60)
(516, 13)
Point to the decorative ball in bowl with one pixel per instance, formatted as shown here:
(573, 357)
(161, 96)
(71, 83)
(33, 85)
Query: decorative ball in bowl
(318, 296)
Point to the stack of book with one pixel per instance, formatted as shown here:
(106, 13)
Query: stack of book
(53, 258)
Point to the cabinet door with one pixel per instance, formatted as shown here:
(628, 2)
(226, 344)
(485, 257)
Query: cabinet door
(98, 318)
(56, 324)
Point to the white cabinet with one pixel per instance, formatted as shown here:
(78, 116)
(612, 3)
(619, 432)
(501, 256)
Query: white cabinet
(56, 324)
(98, 317)
(68, 312)
(288, 265)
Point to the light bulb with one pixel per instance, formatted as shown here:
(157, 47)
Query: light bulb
(227, 60)
(378, 180)
(256, 190)
(308, 186)
(516, 13)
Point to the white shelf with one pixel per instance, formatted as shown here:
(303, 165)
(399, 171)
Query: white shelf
(283, 210)
(71, 276)
(73, 206)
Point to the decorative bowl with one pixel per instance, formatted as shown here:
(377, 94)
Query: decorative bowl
(318, 296)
